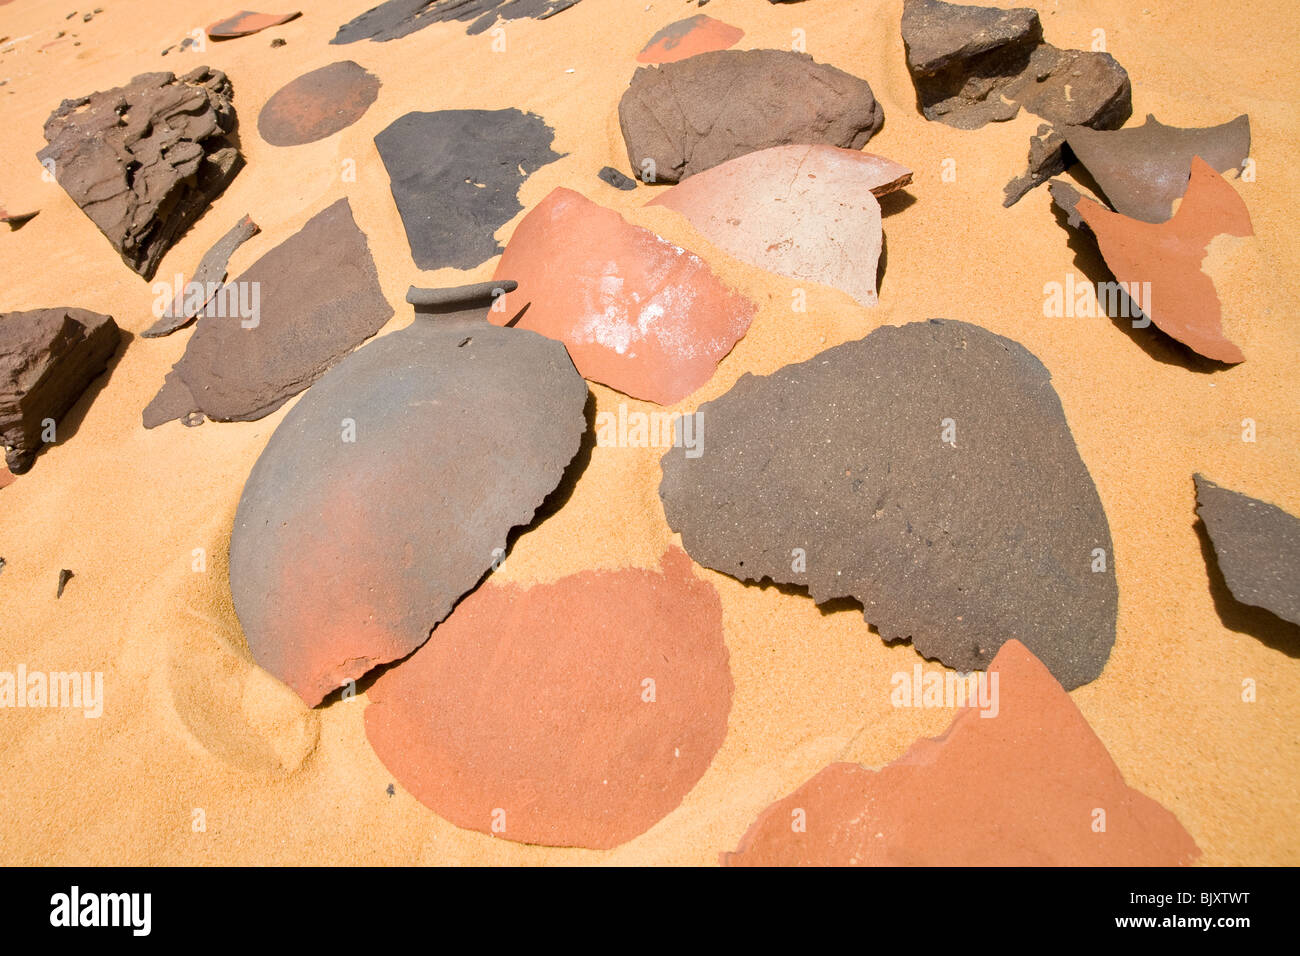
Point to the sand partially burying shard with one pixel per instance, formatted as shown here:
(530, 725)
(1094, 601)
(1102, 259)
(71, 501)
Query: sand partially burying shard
(577, 713)
(1022, 782)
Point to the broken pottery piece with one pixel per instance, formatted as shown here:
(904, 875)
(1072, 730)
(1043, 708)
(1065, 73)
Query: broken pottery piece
(246, 22)
(616, 179)
(1016, 783)
(576, 713)
(294, 313)
(16, 220)
(1046, 159)
(926, 471)
(455, 178)
(1257, 545)
(1143, 169)
(64, 577)
(637, 313)
(807, 212)
(211, 272)
(144, 160)
(685, 117)
(697, 34)
(1164, 259)
(391, 487)
(317, 104)
(48, 357)
(397, 18)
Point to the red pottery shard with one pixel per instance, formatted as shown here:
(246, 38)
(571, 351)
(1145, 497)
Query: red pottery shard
(636, 312)
(1162, 261)
(318, 104)
(246, 22)
(1020, 779)
(697, 34)
(807, 212)
(578, 713)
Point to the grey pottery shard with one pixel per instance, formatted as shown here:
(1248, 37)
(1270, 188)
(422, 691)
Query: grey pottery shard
(273, 331)
(927, 471)
(397, 18)
(681, 118)
(390, 489)
(144, 160)
(455, 178)
(1257, 545)
(205, 283)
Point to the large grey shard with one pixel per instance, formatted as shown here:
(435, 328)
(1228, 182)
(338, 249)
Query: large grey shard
(390, 489)
(927, 471)
(455, 178)
(397, 18)
(1257, 545)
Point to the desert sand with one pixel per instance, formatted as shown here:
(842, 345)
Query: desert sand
(193, 732)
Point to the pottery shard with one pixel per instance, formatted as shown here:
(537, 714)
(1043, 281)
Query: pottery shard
(1162, 261)
(279, 326)
(927, 471)
(209, 275)
(577, 713)
(455, 178)
(143, 161)
(807, 212)
(637, 313)
(682, 118)
(318, 104)
(697, 34)
(397, 18)
(390, 489)
(47, 359)
(1016, 783)
(1143, 169)
(246, 22)
(16, 220)
(1257, 545)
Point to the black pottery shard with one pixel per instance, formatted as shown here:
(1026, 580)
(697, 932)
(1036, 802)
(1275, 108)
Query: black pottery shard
(398, 18)
(293, 314)
(144, 160)
(616, 179)
(926, 470)
(1257, 545)
(455, 178)
(390, 489)
(209, 275)
(1143, 169)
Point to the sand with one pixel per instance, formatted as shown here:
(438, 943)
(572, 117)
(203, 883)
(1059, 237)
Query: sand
(200, 757)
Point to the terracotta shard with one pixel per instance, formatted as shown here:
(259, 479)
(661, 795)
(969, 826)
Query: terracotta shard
(928, 472)
(246, 22)
(388, 491)
(1142, 170)
(807, 212)
(637, 313)
(16, 220)
(279, 326)
(398, 18)
(209, 275)
(1257, 545)
(144, 160)
(682, 118)
(455, 178)
(1161, 262)
(697, 34)
(48, 357)
(318, 104)
(578, 713)
(1018, 783)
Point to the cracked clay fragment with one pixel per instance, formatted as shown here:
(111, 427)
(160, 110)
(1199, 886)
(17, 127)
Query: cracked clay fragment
(1257, 545)
(697, 34)
(1016, 780)
(455, 177)
(637, 313)
(575, 713)
(389, 490)
(927, 471)
(681, 118)
(807, 212)
(1159, 264)
(317, 104)
(397, 18)
(270, 333)
(246, 22)
(1143, 169)
(193, 296)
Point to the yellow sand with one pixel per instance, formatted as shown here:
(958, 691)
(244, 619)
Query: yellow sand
(190, 723)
